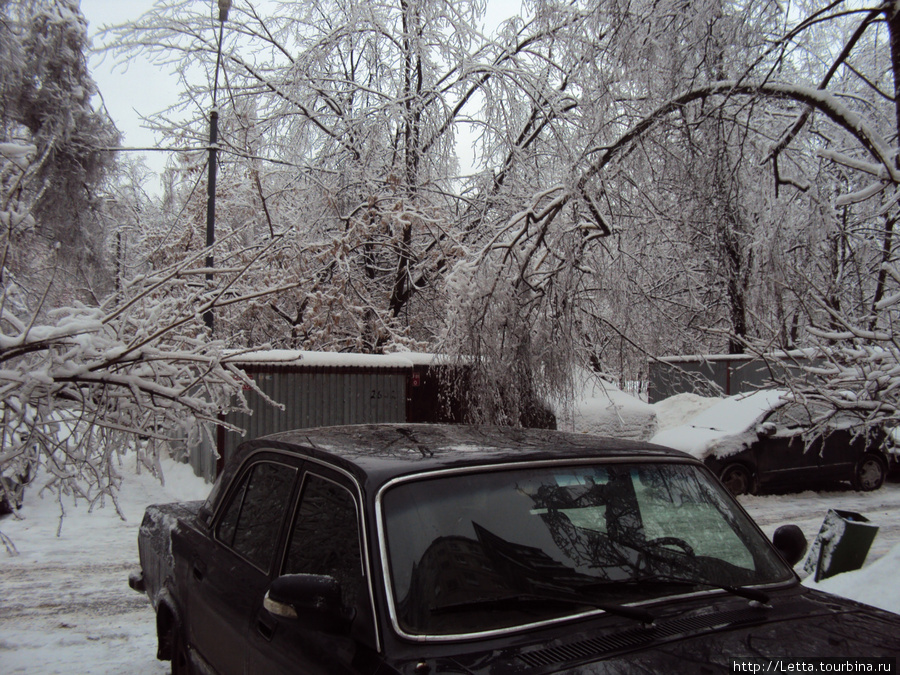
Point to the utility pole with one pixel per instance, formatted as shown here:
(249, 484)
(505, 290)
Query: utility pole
(224, 6)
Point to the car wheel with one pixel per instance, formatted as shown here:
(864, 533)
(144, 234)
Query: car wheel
(869, 474)
(181, 663)
(737, 479)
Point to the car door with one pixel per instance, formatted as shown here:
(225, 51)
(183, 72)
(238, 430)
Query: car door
(789, 457)
(227, 580)
(844, 443)
(324, 538)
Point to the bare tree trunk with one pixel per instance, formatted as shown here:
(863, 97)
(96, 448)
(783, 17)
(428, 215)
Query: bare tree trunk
(893, 18)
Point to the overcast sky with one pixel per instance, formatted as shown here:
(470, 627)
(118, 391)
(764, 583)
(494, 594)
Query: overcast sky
(144, 88)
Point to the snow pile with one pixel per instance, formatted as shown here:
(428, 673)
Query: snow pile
(602, 409)
(875, 584)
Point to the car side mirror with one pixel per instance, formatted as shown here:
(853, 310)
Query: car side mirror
(766, 429)
(314, 600)
(791, 543)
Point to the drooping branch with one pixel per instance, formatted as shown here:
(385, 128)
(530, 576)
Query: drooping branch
(802, 119)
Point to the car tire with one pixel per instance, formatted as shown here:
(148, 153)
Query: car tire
(869, 473)
(181, 662)
(738, 479)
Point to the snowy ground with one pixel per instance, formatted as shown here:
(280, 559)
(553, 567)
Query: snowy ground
(65, 604)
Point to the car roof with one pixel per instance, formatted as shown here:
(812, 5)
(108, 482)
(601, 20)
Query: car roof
(376, 453)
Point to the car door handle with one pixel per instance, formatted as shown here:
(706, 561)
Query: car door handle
(265, 625)
(199, 570)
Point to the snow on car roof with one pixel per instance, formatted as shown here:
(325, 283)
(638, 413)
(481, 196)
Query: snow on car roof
(601, 408)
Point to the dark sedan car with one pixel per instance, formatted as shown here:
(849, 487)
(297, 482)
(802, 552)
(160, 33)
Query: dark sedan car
(765, 440)
(452, 549)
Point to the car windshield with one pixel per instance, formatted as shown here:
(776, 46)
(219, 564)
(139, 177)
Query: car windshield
(489, 551)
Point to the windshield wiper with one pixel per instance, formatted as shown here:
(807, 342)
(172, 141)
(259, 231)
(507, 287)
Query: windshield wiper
(741, 591)
(523, 599)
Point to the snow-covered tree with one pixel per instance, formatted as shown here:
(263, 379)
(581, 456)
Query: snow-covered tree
(814, 153)
(56, 157)
(724, 146)
(129, 375)
(96, 360)
(341, 134)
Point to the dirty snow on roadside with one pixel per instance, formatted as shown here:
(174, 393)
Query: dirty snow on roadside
(66, 608)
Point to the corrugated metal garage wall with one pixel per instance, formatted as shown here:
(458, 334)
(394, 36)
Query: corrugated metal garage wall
(314, 397)
(323, 389)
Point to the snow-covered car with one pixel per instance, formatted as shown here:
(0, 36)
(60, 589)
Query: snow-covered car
(765, 440)
(415, 549)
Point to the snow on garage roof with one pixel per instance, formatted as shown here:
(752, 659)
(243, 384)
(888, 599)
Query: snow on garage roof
(296, 357)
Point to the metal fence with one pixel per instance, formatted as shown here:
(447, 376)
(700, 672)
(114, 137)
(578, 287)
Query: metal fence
(317, 389)
(720, 374)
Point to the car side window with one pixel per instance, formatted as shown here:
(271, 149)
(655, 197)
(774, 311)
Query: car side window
(798, 415)
(847, 420)
(253, 517)
(791, 416)
(325, 537)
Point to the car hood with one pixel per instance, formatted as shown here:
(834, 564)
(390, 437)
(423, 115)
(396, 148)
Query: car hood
(696, 441)
(701, 442)
(704, 639)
